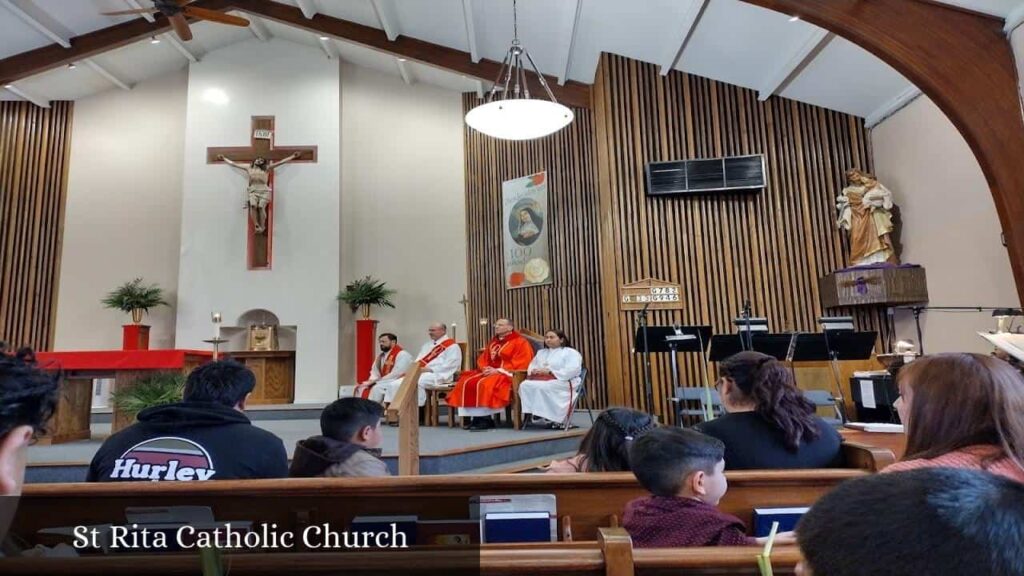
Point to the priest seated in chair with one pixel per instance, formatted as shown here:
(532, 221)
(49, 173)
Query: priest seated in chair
(439, 359)
(389, 368)
(481, 393)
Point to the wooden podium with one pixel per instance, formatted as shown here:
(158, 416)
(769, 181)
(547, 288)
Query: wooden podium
(874, 286)
(275, 375)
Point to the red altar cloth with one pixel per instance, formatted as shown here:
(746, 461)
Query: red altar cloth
(104, 360)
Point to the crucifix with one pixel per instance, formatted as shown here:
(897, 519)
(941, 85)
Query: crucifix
(258, 160)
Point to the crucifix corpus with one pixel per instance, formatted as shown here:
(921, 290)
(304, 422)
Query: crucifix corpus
(258, 161)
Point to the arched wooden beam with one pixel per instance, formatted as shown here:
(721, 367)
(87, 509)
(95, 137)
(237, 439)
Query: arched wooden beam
(965, 64)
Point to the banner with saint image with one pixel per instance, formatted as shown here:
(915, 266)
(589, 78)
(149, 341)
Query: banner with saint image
(524, 223)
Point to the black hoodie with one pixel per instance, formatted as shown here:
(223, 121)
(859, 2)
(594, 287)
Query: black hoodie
(189, 441)
(323, 456)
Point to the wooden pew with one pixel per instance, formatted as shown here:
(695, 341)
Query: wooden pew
(586, 502)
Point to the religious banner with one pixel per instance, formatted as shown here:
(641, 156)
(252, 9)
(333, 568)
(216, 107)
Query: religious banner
(524, 221)
(652, 294)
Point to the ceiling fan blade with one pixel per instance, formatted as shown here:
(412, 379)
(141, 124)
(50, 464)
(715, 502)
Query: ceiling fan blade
(214, 16)
(180, 26)
(126, 12)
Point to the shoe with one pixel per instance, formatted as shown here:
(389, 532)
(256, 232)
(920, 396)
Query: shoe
(481, 424)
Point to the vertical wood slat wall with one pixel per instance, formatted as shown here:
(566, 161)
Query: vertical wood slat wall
(34, 153)
(573, 301)
(769, 248)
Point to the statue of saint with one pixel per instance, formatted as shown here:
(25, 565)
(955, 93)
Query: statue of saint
(865, 209)
(258, 188)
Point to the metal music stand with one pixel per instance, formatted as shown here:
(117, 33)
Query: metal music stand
(726, 345)
(673, 340)
(832, 346)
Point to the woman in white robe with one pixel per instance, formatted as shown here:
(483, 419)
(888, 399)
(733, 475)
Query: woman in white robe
(553, 379)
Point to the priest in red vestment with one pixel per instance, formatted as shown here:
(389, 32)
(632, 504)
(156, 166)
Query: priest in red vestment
(487, 390)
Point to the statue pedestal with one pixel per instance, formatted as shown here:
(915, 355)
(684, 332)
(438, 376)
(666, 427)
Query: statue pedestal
(366, 347)
(874, 286)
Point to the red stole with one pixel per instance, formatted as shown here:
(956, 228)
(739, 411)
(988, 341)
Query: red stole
(389, 361)
(436, 351)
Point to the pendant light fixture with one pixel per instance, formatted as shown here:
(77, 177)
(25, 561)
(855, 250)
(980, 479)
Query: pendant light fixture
(509, 111)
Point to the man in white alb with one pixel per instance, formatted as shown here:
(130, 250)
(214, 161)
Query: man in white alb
(390, 366)
(439, 359)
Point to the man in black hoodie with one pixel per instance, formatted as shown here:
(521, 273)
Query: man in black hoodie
(205, 437)
(350, 445)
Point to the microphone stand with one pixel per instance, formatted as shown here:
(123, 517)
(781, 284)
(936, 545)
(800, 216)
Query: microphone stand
(748, 341)
(641, 319)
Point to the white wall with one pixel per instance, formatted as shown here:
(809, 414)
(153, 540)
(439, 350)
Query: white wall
(1017, 44)
(123, 209)
(300, 87)
(950, 225)
(403, 204)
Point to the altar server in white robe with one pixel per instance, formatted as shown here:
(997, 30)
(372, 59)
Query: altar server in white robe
(553, 379)
(390, 366)
(439, 360)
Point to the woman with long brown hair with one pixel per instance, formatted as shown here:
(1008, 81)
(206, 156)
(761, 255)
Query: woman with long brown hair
(769, 422)
(962, 411)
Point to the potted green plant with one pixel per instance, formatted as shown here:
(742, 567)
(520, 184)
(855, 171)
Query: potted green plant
(367, 292)
(151, 390)
(135, 297)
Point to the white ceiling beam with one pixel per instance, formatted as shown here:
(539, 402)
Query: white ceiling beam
(403, 69)
(327, 45)
(814, 43)
(136, 5)
(180, 47)
(258, 28)
(41, 102)
(480, 92)
(467, 15)
(691, 18)
(567, 59)
(385, 12)
(107, 74)
(892, 106)
(38, 19)
(1014, 19)
(308, 8)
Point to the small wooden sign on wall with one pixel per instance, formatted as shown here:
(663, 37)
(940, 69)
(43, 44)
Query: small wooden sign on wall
(654, 294)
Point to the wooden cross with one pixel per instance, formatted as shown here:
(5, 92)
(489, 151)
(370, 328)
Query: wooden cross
(261, 145)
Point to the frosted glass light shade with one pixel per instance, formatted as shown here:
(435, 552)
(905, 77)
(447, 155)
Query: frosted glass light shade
(519, 119)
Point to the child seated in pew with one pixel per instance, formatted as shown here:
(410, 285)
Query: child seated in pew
(349, 445)
(684, 472)
(605, 448)
(934, 521)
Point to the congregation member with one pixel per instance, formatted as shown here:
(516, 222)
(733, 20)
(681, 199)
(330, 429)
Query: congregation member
(348, 445)
(206, 436)
(481, 393)
(553, 380)
(962, 411)
(438, 359)
(769, 423)
(939, 522)
(605, 448)
(28, 397)
(684, 471)
(389, 367)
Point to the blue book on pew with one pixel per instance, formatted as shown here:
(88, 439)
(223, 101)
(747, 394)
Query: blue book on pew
(786, 517)
(508, 527)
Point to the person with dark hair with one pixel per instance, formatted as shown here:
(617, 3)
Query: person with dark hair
(605, 448)
(939, 522)
(387, 370)
(962, 411)
(349, 444)
(28, 397)
(552, 380)
(207, 436)
(769, 422)
(684, 471)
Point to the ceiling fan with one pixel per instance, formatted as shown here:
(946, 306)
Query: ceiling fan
(177, 11)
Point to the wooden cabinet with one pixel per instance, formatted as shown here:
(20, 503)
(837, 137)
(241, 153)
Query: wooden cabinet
(275, 375)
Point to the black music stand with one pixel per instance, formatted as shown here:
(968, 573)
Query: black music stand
(674, 339)
(832, 346)
(726, 345)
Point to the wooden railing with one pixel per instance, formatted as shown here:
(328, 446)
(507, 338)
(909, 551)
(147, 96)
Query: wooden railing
(406, 407)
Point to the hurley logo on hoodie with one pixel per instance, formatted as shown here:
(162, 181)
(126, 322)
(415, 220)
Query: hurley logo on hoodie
(166, 458)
